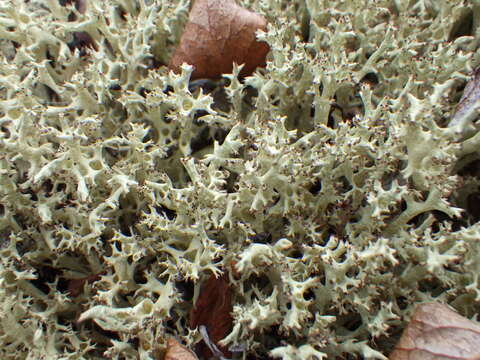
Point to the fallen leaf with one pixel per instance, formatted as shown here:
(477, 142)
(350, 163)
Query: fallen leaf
(75, 286)
(233, 266)
(219, 33)
(213, 310)
(176, 351)
(467, 108)
(436, 332)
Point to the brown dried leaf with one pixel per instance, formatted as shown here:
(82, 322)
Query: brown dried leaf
(467, 108)
(213, 310)
(176, 351)
(438, 333)
(219, 33)
(75, 286)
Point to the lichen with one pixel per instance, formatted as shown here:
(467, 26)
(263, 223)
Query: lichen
(327, 184)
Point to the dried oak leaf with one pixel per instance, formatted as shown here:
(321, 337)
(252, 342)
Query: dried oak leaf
(436, 332)
(176, 351)
(469, 105)
(219, 33)
(213, 310)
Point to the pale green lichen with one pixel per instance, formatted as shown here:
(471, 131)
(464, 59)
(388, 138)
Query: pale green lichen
(330, 178)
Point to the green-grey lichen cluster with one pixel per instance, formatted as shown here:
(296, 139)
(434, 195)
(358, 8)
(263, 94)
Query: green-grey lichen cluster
(329, 180)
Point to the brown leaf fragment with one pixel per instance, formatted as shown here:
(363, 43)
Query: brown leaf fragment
(469, 105)
(436, 332)
(219, 33)
(176, 351)
(213, 310)
(75, 286)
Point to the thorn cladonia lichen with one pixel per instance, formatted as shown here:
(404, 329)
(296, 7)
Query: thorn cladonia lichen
(330, 178)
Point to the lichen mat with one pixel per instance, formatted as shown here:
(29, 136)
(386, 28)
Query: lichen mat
(325, 186)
